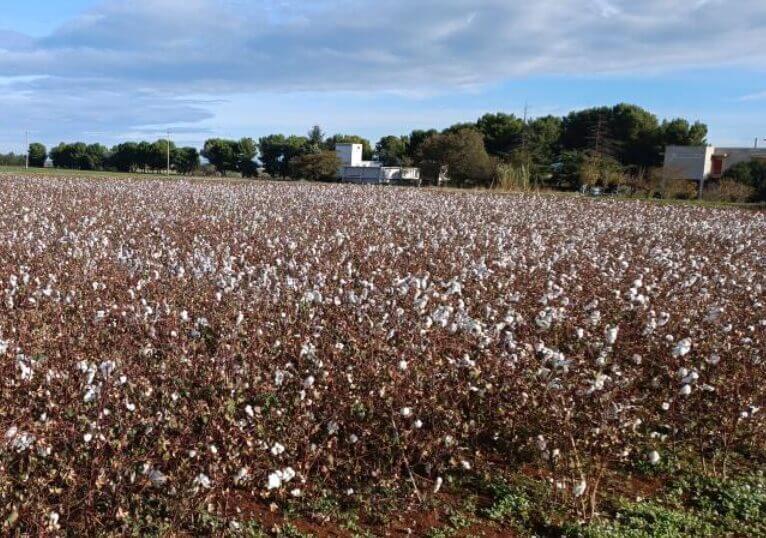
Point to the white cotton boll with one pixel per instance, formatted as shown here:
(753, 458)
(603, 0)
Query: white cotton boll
(683, 347)
(241, 475)
(418, 423)
(275, 480)
(277, 449)
(611, 335)
(690, 379)
(3, 347)
(466, 465)
(579, 488)
(665, 406)
(90, 394)
(106, 368)
(686, 390)
(580, 333)
(288, 474)
(279, 377)
(203, 481)
(130, 406)
(402, 365)
(240, 318)
(53, 521)
(438, 484)
(249, 411)
(88, 437)
(713, 360)
(184, 316)
(654, 457)
(309, 382)
(10, 433)
(406, 411)
(637, 359)
(213, 449)
(296, 492)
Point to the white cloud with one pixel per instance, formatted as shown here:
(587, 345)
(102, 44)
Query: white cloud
(121, 55)
(758, 96)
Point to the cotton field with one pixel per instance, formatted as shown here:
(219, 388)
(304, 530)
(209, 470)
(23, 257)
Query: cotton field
(171, 345)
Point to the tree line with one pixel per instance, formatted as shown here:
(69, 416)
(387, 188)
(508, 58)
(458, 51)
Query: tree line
(595, 146)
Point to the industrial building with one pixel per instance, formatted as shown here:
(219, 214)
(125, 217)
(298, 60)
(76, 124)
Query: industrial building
(702, 163)
(354, 169)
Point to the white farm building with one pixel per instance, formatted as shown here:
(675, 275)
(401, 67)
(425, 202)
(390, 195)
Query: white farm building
(354, 169)
(701, 163)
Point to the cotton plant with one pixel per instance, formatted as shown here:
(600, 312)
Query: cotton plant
(283, 340)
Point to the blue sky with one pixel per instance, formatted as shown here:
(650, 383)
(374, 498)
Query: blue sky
(107, 70)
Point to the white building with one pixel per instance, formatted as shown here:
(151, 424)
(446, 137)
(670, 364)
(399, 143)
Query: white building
(356, 170)
(705, 162)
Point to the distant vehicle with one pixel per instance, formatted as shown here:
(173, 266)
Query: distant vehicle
(591, 190)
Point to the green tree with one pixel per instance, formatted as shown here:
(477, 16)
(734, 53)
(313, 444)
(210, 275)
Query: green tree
(416, 139)
(625, 132)
(79, 156)
(751, 173)
(322, 166)
(247, 150)
(462, 152)
(222, 154)
(459, 127)
(316, 137)
(143, 155)
(124, 157)
(37, 155)
(11, 159)
(502, 132)
(158, 154)
(276, 152)
(678, 132)
(185, 160)
(392, 150)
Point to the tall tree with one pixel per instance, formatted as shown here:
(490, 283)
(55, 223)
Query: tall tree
(185, 160)
(316, 137)
(392, 150)
(417, 137)
(462, 152)
(124, 157)
(247, 150)
(678, 132)
(503, 133)
(158, 154)
(38, 154)
(222, 154)
(276, 151)
(322, 166)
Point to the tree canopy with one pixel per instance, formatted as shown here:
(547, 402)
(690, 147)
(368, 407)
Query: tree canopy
(462, 152)
(38, 154)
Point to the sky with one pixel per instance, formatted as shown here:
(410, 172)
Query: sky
(110, 71)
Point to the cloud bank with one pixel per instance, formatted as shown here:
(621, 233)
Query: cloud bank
(136, 63)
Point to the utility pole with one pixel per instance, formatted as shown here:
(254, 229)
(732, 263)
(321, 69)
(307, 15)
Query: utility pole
(26, 163)
(168, 142)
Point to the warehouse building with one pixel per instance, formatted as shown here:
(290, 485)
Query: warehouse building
(354, 169)
(702, 163)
